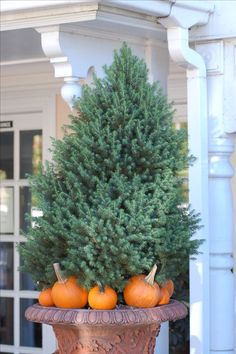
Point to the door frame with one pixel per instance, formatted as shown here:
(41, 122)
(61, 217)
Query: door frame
(40, 103)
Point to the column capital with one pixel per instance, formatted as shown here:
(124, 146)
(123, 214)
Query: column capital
(70, 90)
(213, 55)
(220, 61)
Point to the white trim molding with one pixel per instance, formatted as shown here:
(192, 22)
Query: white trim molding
(172, 13)
(48, 16)
(16, 5)
(184, 13)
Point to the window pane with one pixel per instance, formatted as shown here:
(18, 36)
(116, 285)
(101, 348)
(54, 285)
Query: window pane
(27, 206)
(7, 210)
(26, 282)
(30, 332)
(6, 265)
(30, 152)
(6, 155)
(6, 321)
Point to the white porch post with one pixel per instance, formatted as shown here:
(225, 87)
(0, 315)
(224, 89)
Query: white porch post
(212, 313)
(184, 56)
(177, 24)
(221, 146)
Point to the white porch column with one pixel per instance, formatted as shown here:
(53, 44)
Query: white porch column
(177, 24)
(221, 146)
(184, 56)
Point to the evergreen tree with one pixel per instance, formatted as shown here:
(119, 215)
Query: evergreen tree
(112, 199)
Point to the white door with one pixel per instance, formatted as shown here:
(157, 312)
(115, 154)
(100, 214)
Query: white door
(22, 146)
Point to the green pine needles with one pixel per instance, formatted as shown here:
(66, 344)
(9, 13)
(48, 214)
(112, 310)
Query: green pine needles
(112, 199)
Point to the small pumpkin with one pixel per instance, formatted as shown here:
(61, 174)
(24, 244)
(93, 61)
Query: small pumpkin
(45, 297)
(169, 285)
(100, 298)
(66, 293)
(142, 291)
(164, 297)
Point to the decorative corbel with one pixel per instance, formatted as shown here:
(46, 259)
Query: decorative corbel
(60, 47)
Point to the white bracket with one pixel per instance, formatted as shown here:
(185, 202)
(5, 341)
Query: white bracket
(72, 56)
(60, 47)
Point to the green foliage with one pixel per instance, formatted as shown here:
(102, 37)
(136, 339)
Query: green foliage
(112, 198)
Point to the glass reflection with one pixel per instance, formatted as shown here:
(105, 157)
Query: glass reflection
(26, 282)
(6, 265)
(6, 155)
(30, 333)
(30, 152)
(27, 208)
(6, 321)
(7, 210)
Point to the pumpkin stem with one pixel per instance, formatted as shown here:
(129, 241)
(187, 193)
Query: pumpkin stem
(59, 275)
(101, 287)
(150, 277)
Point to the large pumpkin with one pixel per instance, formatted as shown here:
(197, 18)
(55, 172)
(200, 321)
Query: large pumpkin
(102, 299)
(142, 291)
(67, 293)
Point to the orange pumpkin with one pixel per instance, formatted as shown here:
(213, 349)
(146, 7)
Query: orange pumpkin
(142, 291)
(169, 285)
(102, 299)
(164, 297)
(67, 293)
(45, 297)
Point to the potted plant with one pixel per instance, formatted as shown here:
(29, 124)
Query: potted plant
(112, 203)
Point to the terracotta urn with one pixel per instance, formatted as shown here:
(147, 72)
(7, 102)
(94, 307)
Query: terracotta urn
(124, 330)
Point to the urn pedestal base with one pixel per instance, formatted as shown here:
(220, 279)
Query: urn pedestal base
(125, 330)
